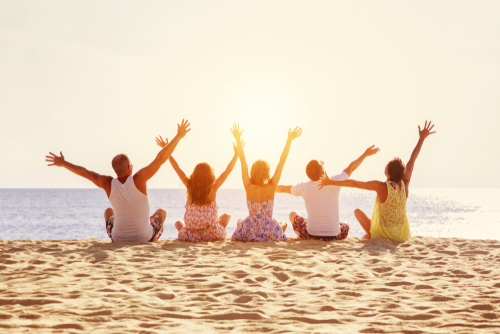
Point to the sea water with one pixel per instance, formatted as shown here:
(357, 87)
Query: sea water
(78, 213)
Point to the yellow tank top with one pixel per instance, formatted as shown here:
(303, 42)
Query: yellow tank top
(389, 219)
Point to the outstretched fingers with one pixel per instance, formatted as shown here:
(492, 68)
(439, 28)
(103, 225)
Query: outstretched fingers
(235, 130)
(297, 132)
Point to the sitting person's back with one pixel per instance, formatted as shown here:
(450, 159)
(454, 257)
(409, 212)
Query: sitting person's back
(201, 220)
(323, 218)
(389, 218)
(131, 212)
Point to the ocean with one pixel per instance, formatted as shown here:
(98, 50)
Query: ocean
(55, 214)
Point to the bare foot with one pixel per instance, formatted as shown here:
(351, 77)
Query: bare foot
(238, 223)
(366, 237)
(283, 226)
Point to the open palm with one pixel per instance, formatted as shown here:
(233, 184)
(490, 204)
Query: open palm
(160, 142)
(297, 132)
(426, 131)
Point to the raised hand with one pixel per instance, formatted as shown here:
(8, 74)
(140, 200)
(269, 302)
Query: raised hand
(54, 160)
(371, 150)
(160, 142)
(235, 130)
(426, 131)
(323, 182)
(297, 132)
(235, 148)
(183, 128)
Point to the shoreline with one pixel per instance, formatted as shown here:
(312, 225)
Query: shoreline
(426, 284)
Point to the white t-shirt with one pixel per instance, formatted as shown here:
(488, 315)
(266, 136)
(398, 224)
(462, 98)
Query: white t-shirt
(322, 206)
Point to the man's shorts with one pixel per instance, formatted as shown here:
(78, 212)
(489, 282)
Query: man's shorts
(300, 227)
(155, 221)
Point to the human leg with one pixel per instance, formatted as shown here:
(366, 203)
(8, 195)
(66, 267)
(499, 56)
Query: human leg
(283, 225)
(110, 219)
(364, 221)
(299, 225)
(238, 223)
(108, 213)
(224, 219)
(179, 224)
(162, 213)
(157, 220)
(344, 231)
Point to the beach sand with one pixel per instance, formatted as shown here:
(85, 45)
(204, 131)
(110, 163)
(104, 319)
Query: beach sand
(376, 286)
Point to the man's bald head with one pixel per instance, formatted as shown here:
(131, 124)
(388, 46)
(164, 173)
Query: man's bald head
(120, 164)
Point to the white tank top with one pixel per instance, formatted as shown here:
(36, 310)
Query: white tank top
(131, 209)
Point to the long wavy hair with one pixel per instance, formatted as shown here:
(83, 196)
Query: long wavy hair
(259, 174)
(200, 184)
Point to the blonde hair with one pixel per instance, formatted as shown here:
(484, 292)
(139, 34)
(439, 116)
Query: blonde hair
(200, 184)
(259, 174)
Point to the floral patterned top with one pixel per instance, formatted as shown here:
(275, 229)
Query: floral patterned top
(202, 224)
(259, 226)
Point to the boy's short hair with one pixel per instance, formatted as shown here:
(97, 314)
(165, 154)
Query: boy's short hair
(314, 170)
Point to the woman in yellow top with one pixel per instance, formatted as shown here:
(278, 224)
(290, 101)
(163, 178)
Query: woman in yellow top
(389, 219)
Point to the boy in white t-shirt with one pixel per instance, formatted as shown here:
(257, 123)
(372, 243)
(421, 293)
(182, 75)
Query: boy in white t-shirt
(323, 219)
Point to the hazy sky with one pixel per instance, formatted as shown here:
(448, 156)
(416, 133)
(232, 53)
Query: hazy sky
(98, 78)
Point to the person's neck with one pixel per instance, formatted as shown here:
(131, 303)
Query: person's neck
(123, 178)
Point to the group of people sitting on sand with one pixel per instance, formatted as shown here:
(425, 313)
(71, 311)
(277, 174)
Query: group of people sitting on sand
(129, 218)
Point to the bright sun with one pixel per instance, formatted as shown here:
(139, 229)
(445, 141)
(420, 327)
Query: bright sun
(262, 118)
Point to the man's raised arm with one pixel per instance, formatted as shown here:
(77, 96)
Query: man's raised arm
(102, 181)
(142, 176)
(356, 163)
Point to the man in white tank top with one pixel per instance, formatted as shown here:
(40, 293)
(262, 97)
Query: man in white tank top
(323, 219)
(129, 218)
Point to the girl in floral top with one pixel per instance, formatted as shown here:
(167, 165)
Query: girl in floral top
(260, 189)
(201, 221)
(389, 218)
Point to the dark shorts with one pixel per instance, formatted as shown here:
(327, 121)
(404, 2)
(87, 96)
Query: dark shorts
(155, 221)
(300, 227)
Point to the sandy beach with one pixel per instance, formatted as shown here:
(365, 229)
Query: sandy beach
(377, 286)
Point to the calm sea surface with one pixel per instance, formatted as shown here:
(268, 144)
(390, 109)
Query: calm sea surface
(78, 213)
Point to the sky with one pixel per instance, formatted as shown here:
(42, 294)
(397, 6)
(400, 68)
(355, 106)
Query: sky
(96, 78)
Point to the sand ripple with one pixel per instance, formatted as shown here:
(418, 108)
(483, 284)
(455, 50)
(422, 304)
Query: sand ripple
(424, 285)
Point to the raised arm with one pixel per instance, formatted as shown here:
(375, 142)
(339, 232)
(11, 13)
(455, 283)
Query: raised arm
(356, 163)
(222, 178)
(297, 132)
(411, 163)
(180, 173)
(284, 189)
(379, 187)
(142, 176)
(101, 181)
(235, 130)
(370, 185)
